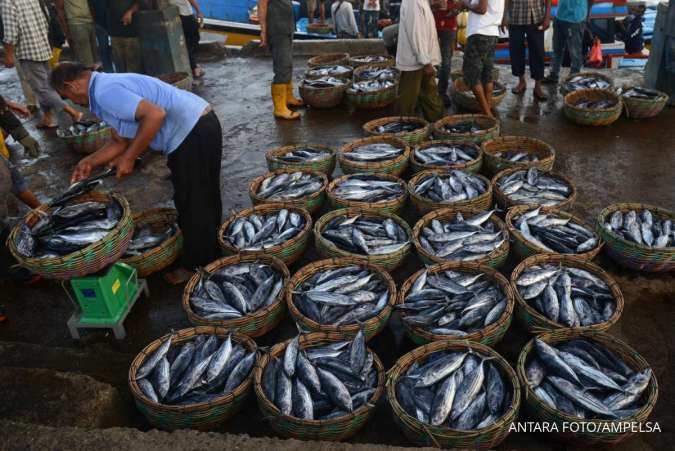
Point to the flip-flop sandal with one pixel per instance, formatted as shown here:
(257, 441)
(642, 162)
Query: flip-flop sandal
(46, 126)
(518, 91)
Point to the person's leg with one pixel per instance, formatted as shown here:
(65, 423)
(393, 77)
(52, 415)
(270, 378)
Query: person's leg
(50, 101)
(104, 49)
(429, 100)
(535, 46)
(80, 42)
(444, 38)
(133, 55)
(118, 54)
(28, 94)
(409, 91)
(188, 24)
(574, 44)
(559, 39)
(472, 70)
(517, 53)
(282, 63)
(488, 53)
(311, 9)
(322, 11)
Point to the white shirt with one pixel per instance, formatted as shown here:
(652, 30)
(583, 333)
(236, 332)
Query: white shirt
(417, 38)
(343, 18)
(486, 24)
(371, 5)
(184, 7)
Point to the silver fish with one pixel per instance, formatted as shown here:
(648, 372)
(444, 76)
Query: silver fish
(648, 228)
(289, 187)
(532, 187)
(266, 231)
(452, 187)
(366, 235)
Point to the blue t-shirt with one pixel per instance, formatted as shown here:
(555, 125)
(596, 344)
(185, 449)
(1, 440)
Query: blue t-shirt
(572, 10)
(114, 98)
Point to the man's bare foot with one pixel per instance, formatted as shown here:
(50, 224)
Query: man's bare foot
(519, 88)
(539, 93)
(178, 276)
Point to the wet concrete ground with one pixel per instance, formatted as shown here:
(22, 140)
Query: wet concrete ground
(628, 161)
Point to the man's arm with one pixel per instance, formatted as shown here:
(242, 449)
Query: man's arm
(198, 11)
(507, 15)
(128, 15)
(478, 8)
(547, 16)
(262, 18)
(102, 157)
(61, 12)
(11, 30)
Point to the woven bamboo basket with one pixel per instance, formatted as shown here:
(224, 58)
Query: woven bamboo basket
(411, 138)
(346, 75)
(325, 165)
(463, 97)
(319, 28)
(358, 71)
(372, 100)
(490, 335)
(424, 205)
(635, 108)
(594, 117)
(505, 201)
(442, 436)
(335, 429)
(633, 255)
(494, 259)
(181, 80)
(324, 59)
(288, 252)
(202, 416)
(254, 324)
(490, 128)
(389, 261)
(323, 98)
(563, 88)
(534, 321)
(88, 260)
(395, 166)
(87, 143)
(472, 166)
(389, 206)
(357, 61)
(157, 258)
(524, 248)
(459, 74)
(371, 327)
(312, 203)
(590, 433)
(532, 146)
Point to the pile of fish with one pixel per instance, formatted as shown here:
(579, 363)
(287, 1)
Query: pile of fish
(399, 127)
(642, 93)
(567, 295)
(373, 152)
(289, 186)
(372, 85)
(386, 73)
(455, 389)
(329, 71)
(81, 129)
(236, 290)
(304, 154)
(342, 296)
(256, 232)
(68, 228)
(455, 186)
(201, 370)
(586, 380)
(463, 127)
(517, 156)
(554, 233)
(369, 59)
(446, 154)
(534, 187)
(585, 82)
(321, 382)
(645, 228)
(324, 82)
(462, 239)
(368, 188)
(147, 237)
(595, 104)
(453, 303)
(366, 235)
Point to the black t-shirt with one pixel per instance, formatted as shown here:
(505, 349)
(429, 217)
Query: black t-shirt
(115, 10)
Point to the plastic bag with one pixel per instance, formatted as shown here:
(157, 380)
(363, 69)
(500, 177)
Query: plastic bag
(595, 55)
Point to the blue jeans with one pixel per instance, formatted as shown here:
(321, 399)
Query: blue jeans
(567, 35)
(370, 23)
(104, 48)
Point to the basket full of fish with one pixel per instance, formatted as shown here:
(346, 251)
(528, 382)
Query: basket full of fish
(379, 192)
(319, 386)
(535, 230)
(335, 59)
(464, 236)
(157, 241)
(324, 92)
(280, 230)
(639, 236)
(380, 238)
(313, 157)
(341, 295)
(596, 107)
(303, 188)
(195, 378)
(439, 155)
(643, 103)
(519, 186)
(450, 302)
(585, 80)
(454, 394)
(241, 292)
(474, 128)
(380, 154)
(589, 378)
(431, 190)
(410, 129)
(506, 152)
(329, 70)
(85, 137)
(371, 60)
(555, 291)
(373, 87)
(464, 97)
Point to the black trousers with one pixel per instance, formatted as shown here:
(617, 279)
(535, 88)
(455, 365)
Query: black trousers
(518, 35)
(191, 32)
(195, 175)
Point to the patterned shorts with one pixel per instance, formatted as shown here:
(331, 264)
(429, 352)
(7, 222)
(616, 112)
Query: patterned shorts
(479, 56)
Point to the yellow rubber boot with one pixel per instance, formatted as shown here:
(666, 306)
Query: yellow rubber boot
(291, 100)
(280, 107)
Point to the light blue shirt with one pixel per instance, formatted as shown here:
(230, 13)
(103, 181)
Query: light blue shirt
(573, 11)
(114, 98)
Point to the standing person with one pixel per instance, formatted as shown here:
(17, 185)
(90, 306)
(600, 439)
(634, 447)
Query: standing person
(148, 113)
(79, 29)
(191, 21)
(485, 17)
(370, 16)
(445, 14)
(98, 11)
(25, 87)
(126, 50)
(311, 9)
(568, 30)
(527, 20)
(416, 55)
(277, 26)
(26, 29)
(344, 22)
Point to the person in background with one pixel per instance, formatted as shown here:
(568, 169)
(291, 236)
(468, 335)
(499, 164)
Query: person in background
(445, 15)
(26, 38)
(485, 17)
(98, 11)
(80, 29)
(11, 125)
(277, 26)
(311, 10)
(370, 15)
(527, 20)
(126, 50)
(417, 54)
(630, 28)
(390, 38)
(344, 22)
(28, 95)
(568, 30)
(191, 21)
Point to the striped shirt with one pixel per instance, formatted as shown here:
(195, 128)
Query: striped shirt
(526, 12)
(27, 29)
